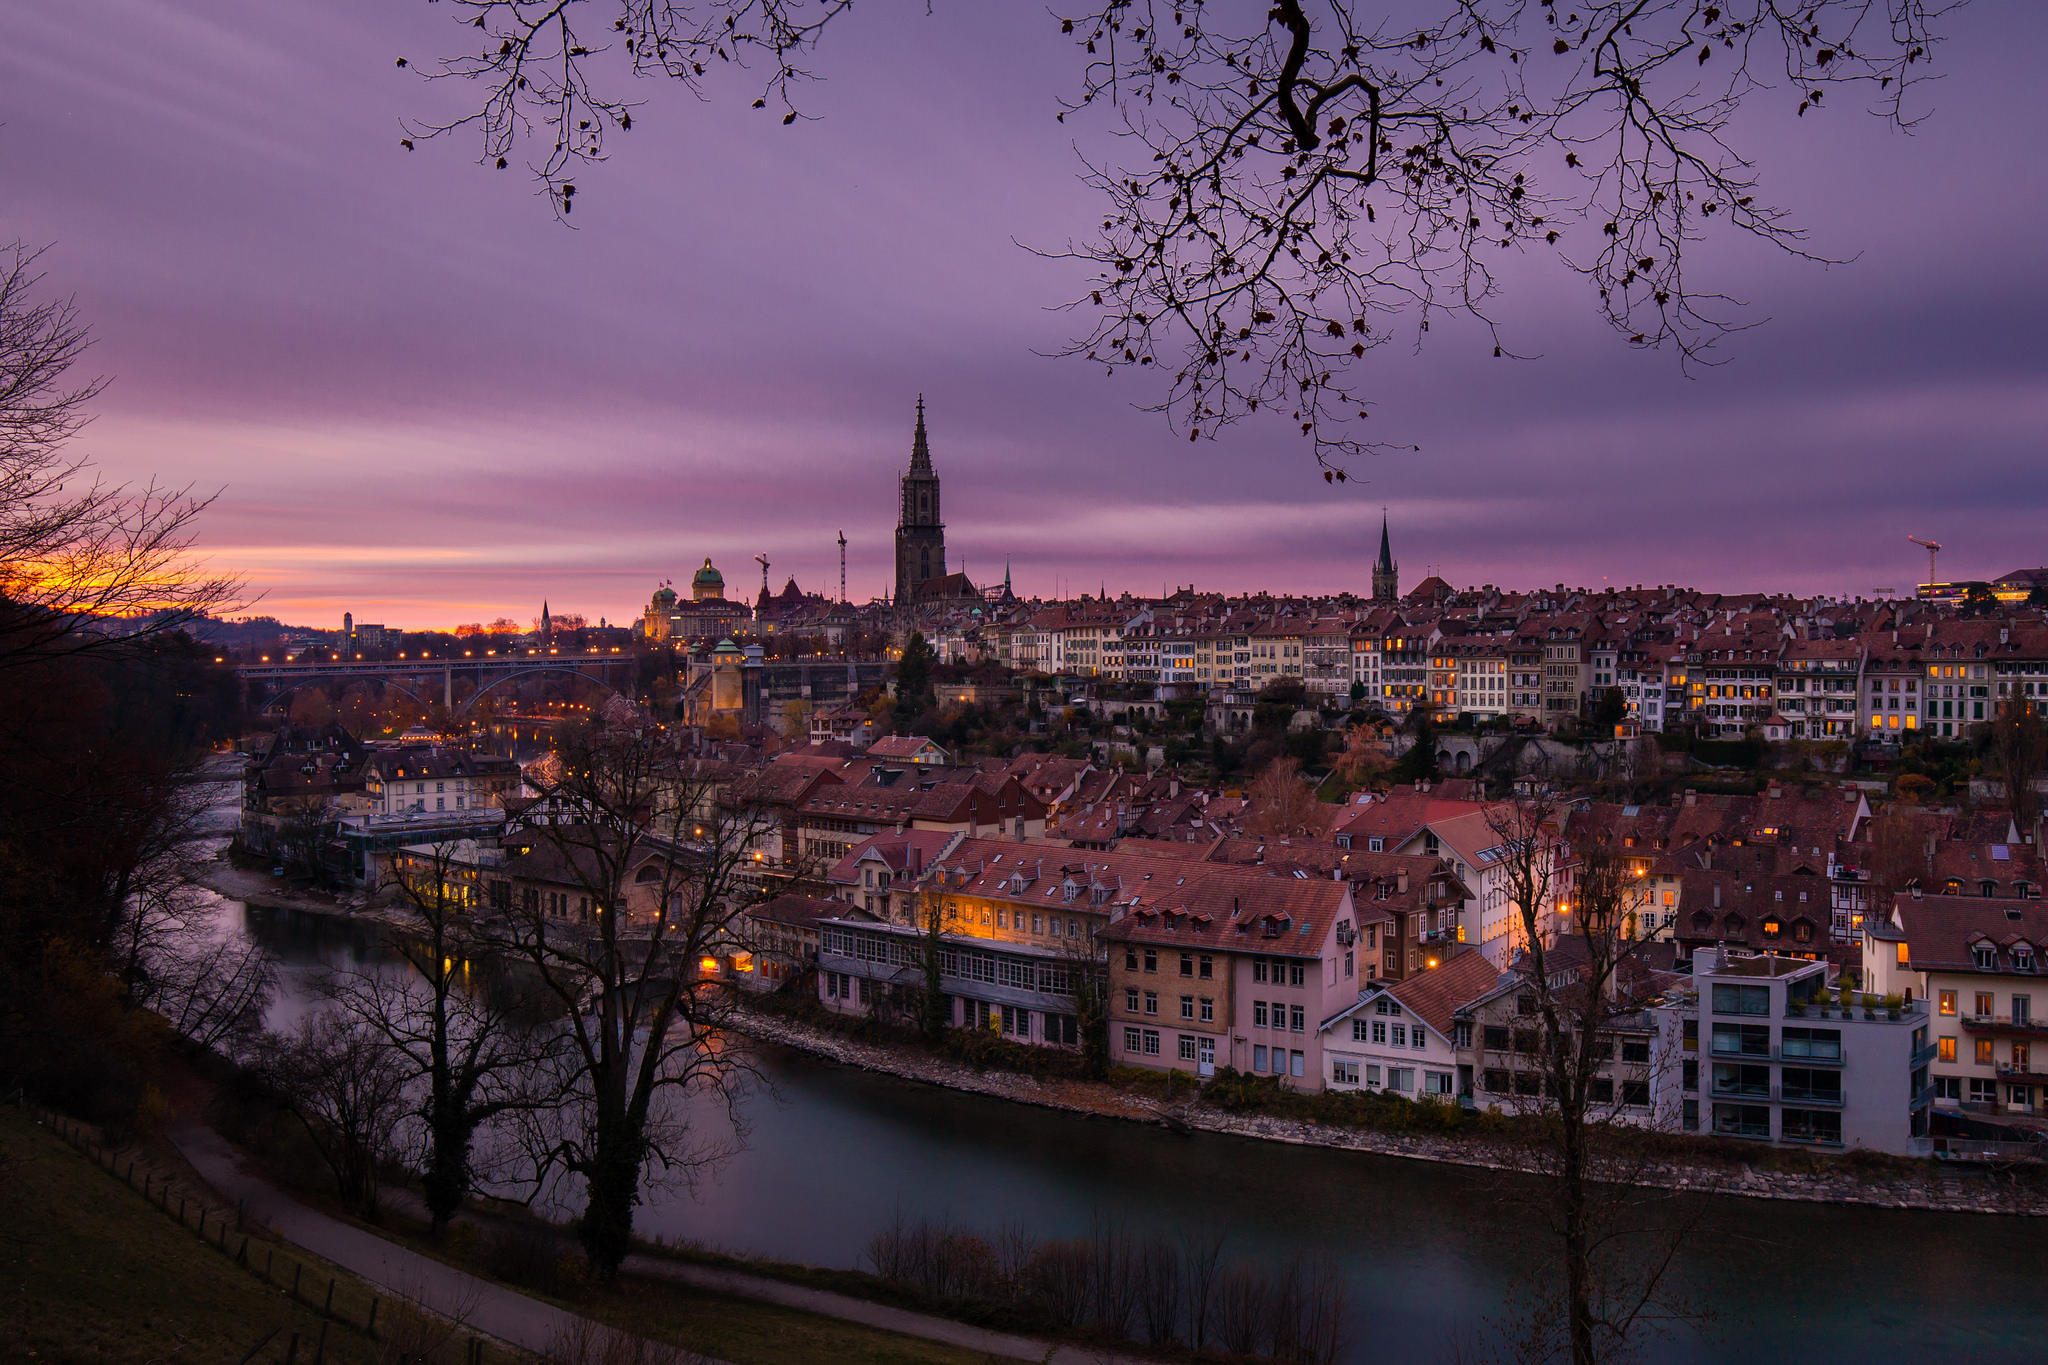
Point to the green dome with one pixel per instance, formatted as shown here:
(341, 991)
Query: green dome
(664, 596)
(707, 576)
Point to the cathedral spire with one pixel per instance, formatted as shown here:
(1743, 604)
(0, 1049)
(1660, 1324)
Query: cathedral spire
(920, 449)
(1386, 579)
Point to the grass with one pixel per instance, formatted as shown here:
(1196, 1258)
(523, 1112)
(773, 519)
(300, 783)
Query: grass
(747, 1331)
(90, 1272)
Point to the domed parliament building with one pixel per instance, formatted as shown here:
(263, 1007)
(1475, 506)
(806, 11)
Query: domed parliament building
(705, 614)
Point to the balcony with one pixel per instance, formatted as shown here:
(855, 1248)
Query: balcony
(1922, 1056)
(2005, 1024)
(2026, 1075)
(1776, 1054)
(1778, 1094)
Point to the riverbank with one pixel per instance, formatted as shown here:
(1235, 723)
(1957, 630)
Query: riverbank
(1892, 1184)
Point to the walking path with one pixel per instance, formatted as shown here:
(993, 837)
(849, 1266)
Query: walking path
(868, 1313)
(478, 1305)
(532, 1325)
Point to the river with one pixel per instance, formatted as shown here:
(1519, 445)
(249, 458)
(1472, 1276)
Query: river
(830, 1155)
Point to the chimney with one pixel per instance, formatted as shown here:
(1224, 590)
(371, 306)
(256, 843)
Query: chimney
(1401, 881)
(1692, 797)
(1717, 895)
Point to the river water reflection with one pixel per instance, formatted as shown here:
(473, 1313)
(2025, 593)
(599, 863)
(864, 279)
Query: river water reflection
(832, 1154)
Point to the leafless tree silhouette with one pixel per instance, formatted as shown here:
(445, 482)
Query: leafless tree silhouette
(1287, 187)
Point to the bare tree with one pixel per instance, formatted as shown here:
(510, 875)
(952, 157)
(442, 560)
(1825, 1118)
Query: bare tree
(1201, 1258)
(346, 1086)
(1281, 803)
(1295, 184)
(1578, 973)
(473, 1049)
(2020, 740)
(666, 861)
(85, 565)
(213, 993)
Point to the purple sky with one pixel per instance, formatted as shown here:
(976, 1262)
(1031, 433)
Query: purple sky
(429, 403)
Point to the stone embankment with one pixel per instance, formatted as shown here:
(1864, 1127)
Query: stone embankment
(1928, 1185)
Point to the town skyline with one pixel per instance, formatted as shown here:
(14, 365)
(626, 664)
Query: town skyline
(340, 336)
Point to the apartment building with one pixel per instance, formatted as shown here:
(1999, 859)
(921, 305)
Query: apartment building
(1764, 1052)
(1977, 963)
(1280, 955)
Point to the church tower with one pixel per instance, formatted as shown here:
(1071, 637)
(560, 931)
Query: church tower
(920, 534)
(1386, 578)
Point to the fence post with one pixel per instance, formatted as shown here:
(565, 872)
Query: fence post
(370, 1328)
(298, 1268)
(320, 1351)
(291, 1352)
(181, 1210)
(327, 1308)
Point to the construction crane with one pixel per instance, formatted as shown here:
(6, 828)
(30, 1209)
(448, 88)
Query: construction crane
(842, 568)
(762, 560)
(1933, 548)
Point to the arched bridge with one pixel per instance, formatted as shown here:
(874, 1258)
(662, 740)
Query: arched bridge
(416, 677)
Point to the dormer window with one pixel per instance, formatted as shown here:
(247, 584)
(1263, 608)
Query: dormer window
(2022, 957)
(1984, 956)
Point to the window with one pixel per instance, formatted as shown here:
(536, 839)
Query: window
(1401, 1078)
(1801, 1084)
(1131, 999)
(1730, 1079)
(1297, 1019)
(1151, 1042)
(1187, 1007)
(1130, 959)
(1812, 1125)
(1983, 1052)
(1258, 1014)
(1983, 955)
(2022, 1009)
(1208, 967)
(1747, 1040)
(1742, 999)
(1742, 1120)
(1258, 971)
(1819, 1044)
(1983, 1091)
(1208, 1010)
(1948, 1002)
(1151, 960)
(1187, 1048)
(1295, 1063)
(1983, 1004)
(1945, 1049)
(1343, 1072)
(1417, 1039)
(1259, 1058)
(1151, 1002)
(1635, 1050)
(1400, 1035)
(1187, 964)
(1379, 1031)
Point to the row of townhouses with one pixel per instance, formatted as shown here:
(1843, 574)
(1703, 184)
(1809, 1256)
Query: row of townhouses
(1791, 669)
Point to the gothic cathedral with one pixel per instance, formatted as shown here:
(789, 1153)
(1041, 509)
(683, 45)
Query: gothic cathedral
(920, 534)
